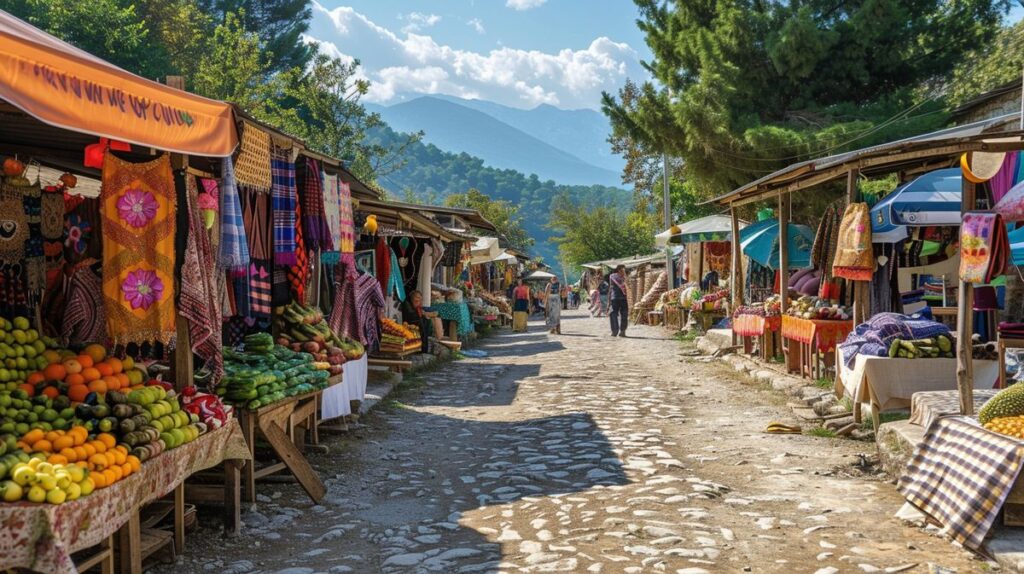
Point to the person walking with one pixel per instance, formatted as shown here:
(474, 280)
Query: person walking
(554, 306)
(603, 290)
(595, 303)
(521, 309)
(619, 307)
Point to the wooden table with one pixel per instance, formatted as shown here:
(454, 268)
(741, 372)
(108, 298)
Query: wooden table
(763, 329)
(283, 425)
(809, 338)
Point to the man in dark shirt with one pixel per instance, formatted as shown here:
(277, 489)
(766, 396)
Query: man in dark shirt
(619, 307)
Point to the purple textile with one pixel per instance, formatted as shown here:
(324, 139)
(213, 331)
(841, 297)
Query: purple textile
(1004, 178)
(876, 335)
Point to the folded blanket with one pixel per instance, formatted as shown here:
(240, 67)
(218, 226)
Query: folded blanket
(874, 337)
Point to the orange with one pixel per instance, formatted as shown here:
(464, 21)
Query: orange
(95, 352)
(56, 459)
(98, 461)
(123, 381)
(51, 356)
(85, 360)
(33, 436)
(126, 469)
(66, 441)
(100, 446)
(107, 439)
(98, 479)
(90, 374)
(115, 364)
(30, 390)
(110, 476)
(75, 379)
(53, 435)
(81, 454)
(98, 386)
(89, 450)
(77, 393)
(117, 470)
(55, 372)
(51, 392)
(70, 454)
(112, 383)
(80, 434)
(36, 377)
(72, 366)
(42, 446)
(135, 462)
(116, 455)
(105, 369)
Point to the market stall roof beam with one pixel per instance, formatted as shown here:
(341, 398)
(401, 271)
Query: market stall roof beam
(907, 153)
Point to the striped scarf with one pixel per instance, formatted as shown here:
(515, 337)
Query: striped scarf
(197, 298)
(315, 230)
(283, 201)
(234, 248)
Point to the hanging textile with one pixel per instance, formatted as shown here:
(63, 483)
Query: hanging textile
(138, 206)
(885, 292)
(344, 317)
(346, 220)
(369, 301)
(197, 301)
(14, 231)
(718, 255)
(252, 168)
(298, 274)
(826, 240)
(382, 261)
(52, 228)
(425, 272)
(855, 257)
(256, 218)
(234, 248)
(84, 317)
(395, 283)
(315, 230)
(452, 254)
(1005, 178)
(332, 210)
(284, 200)
(984, 247)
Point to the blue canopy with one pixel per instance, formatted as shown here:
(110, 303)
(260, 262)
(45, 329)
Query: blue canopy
(932, 199)
(1017, 245)
(883, 230)
(760, 242)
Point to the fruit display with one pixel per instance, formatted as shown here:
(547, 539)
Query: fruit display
(1009, 426)
(1008, 402)
(811, 307)
(106, 461)
(22, 352)
(265, 373)
(303, 329)
(494, 300)
(398, 338)
(773, 306)
(36, 480)
(939, 346)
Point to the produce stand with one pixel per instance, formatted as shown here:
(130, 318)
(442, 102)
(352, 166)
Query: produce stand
(764, 329)
(808, 339)
(43, 537)
(705, 319)
(891, 383)
(283, 425)
(458, 315)
(675, 318)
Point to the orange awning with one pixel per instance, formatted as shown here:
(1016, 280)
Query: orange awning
(69, 88)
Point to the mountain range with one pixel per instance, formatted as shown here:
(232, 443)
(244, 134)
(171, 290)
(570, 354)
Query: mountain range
(567, 146)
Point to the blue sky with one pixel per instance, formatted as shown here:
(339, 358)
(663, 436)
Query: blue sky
(520, 53)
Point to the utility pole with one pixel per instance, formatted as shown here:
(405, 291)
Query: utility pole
(667, 208)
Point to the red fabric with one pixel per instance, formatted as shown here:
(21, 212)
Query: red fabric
(383, 261)
(298, 274)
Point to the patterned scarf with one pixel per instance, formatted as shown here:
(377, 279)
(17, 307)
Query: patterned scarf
(298, 274)
(234, 249)
(283, 205)
(13, 225)
(369, 302)
(85, 318)
(346, 220)
(138, 204)
(332, 209)
(315, 230)
(256, 216)
(452, 251)
(198, 302)
(260, 289)
(344, 318)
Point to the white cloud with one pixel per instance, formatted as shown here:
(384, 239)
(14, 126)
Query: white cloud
(477, 25)
(524, 4)
(418, 21)
(400, 67)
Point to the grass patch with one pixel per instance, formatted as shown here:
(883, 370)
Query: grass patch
(883, 418)
(685, 336)
(825, 383)
(820, 432)
(393, 405)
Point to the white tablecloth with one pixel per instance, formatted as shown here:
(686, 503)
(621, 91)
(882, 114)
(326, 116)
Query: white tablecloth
(891, 383)
(335, 401)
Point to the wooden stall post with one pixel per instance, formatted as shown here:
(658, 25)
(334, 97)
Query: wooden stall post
(784, 202)
(736, 273)
(965, 324)
(861, 291)
(184, 371)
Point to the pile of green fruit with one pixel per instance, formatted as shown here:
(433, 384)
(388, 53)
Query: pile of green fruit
(21, 351)
(10, 455)
(150, 421)
(20, 414)
(939, 346)
(265, 373)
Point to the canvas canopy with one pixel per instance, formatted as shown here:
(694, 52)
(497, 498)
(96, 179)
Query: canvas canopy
(932, 199)
(71, 89)
(710, 228)
(760, 242)
(539, 276)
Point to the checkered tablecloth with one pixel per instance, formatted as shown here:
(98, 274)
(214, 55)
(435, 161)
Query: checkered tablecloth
(960, 475)
(926, 406)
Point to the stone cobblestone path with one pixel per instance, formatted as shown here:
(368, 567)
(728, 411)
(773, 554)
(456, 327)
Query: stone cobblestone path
(580, 453)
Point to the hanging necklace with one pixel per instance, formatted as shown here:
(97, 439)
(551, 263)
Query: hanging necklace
(403, 244)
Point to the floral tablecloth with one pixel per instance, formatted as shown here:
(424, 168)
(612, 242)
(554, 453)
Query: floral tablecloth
(755, 325)
(458, 312)
(42, 537)
(825, 335)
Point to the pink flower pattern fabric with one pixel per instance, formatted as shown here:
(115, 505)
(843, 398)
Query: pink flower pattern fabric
(142, 288)
(137, 207)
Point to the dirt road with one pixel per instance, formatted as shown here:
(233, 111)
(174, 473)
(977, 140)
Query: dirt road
(580, 453)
